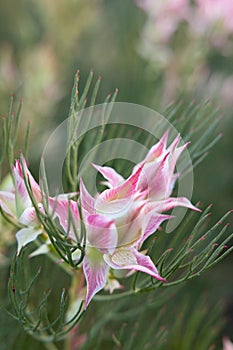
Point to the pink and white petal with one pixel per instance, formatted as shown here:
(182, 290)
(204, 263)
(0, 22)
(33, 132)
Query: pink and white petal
(151, 224)
(116, 201)
(25, 236)
(29, 217)
(170, 203)
(7, 202)
(22, 197)
(173, 179)
(114, 179)
(87, 201)
(129, 186)
(125, 190)
(173, 146)
(131, 259)
(34, 185)
(113, 209)
(129, 227)
(20, 184)
(96, 272)
(175, 154)
(157, 150)
(101, 233)
(155, 178)
(63, 209)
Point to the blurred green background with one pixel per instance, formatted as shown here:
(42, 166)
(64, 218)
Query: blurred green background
(43, 43)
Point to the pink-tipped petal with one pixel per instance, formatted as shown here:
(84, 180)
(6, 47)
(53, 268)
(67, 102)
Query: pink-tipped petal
(125, 190)
(102, 233)
(23, 200)
(87, 201)
(151, 223)
(158, 148)
(131, 259)
(25, 236)
(170, 203)
(113, 209)
(22, 197)
(155, 178)
(116, 201)
(173, 146)
(33, 183)
(29, 217)
(175, 154)
(67, 213)
(96, 272)
(114, 179)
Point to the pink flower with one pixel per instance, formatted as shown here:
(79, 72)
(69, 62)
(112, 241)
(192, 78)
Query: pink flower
(212, 12)
(122, 217)
(18, 205)
(113, 232)
(165, 16)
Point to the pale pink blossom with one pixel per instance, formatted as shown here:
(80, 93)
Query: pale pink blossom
(165, 16)
(215, 12)
(121, 218)
(18, 205)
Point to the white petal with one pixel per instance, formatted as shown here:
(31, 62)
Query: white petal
(25, 236)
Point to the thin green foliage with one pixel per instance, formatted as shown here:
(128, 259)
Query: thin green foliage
(80, 144)
(166, 321)
(198, 124)
(34, 317)
(9, 136)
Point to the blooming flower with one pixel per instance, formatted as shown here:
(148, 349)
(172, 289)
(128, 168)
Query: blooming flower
(121, 218)
(18, 205)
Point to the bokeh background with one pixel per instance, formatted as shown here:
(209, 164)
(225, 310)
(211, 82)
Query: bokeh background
(154, 52)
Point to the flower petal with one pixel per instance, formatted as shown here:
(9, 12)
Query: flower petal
(23, 200)
(20, 184)
(175, 152)
(114, 179)
(43, 249)
(63, 209)
(29, 217)
(116, 201)
(157, 149)
(25, 236)
(87, 201)
(131, 259)
(7, 202)
(101, 233)
(170, 203)
(155, 178)
(95, 271)
(34, 185)
(151, 223)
